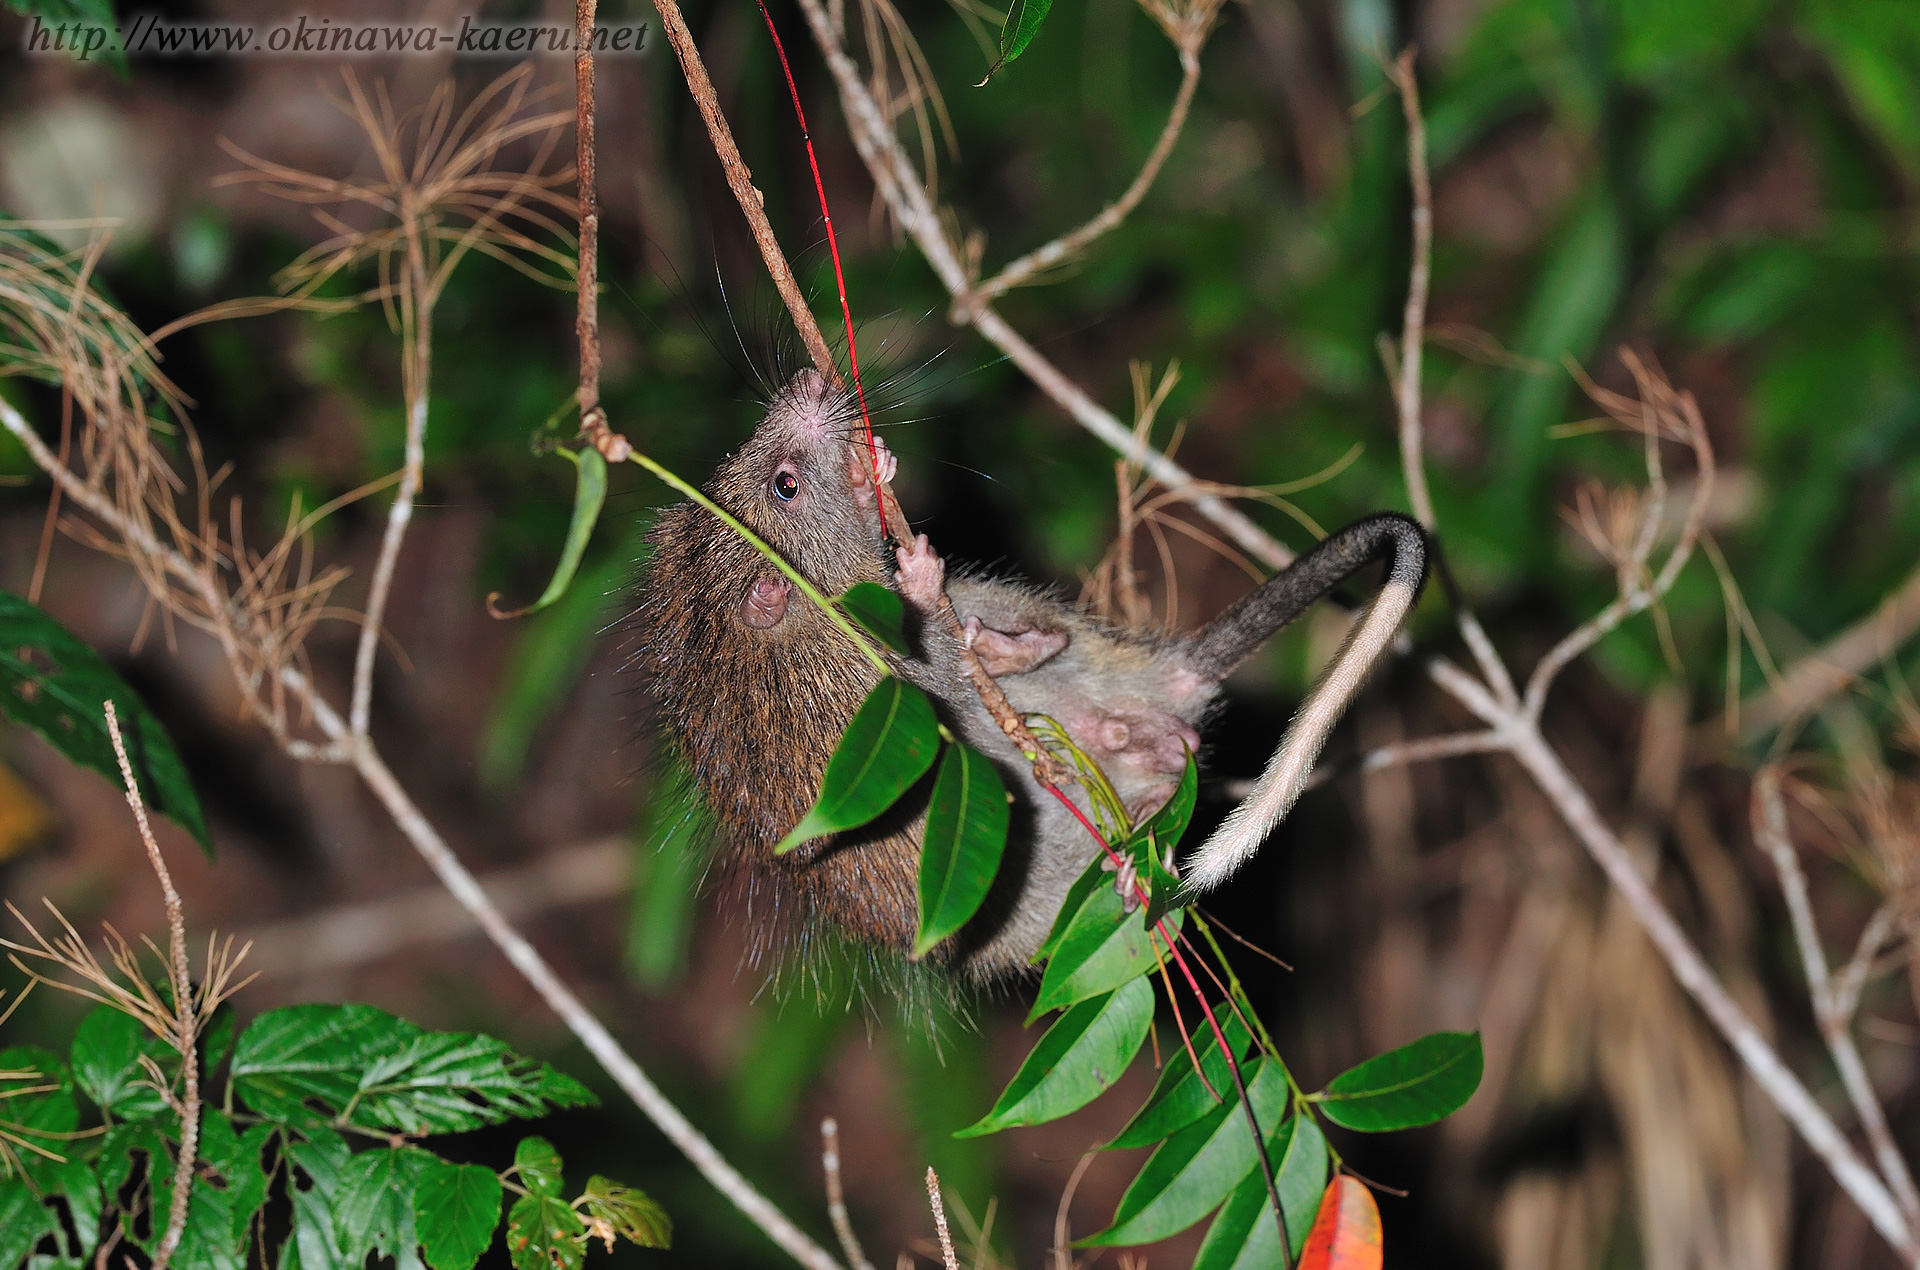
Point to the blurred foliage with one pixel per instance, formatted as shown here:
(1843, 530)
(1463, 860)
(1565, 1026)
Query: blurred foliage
(1728, 185)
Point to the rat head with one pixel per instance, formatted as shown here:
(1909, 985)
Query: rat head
(803, 482)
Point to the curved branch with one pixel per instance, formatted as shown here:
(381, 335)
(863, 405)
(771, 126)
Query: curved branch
(901, 188)
(1060, 249)
(461, 884)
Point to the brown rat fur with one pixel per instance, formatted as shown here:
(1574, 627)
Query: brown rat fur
(756, 687)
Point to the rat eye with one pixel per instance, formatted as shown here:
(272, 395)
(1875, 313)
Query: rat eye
(785, 485)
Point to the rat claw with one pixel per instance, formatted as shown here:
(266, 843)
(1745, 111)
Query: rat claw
(885, 460)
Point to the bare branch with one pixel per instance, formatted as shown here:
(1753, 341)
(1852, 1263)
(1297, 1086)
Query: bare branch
(906, 196)
(1820, 674)
(740, 181)
(1775, 1079)
(1063, 248)
(1413, 329)
(1769, 819)
(185, 1021)
(940, 1221)
(366, 761)
(836, 1197)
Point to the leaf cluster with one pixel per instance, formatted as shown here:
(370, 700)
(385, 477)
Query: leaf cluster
(277, 1181)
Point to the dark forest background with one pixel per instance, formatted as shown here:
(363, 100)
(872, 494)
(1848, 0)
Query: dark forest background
(1729, 188)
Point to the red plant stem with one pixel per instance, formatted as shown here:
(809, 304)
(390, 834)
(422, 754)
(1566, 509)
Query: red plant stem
(833, 246)
(1239, 1083)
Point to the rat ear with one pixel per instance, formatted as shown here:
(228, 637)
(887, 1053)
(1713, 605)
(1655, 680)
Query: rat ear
(1014, 652)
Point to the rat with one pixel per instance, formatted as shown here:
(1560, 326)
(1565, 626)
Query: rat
(756, 685)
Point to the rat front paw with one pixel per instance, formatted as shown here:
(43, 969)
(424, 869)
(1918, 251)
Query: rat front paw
(923, 574)
(864, 466)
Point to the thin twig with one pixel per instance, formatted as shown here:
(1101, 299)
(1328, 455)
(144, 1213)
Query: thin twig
(1413, 330)
(1769, 818)
(836, 1197)
(586, 323)
(416, 301)
(740, 181)
(905, 195)
(1836, 664)
(186, 1022)
(1062, 1245)
(420, 833)
(940, 1221)
(1067, 245)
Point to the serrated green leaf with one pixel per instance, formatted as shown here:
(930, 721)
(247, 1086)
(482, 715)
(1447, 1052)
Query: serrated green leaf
(543, 1233)
(965, 837)
(1414, 1085)
(1244, 1236)
(107, 1048)
(135, 1148)
(373, 1205)
(539, 1166)
(631, 1214)
(319, 1161)
(589, 493)
(24, 1221)
(37, 1109)
(1103, 947)
(373, 1071)
(236, 1157)
(1179, 1097)
(890, 744)
(880, 612)
(75, 1182)
(1190, 1173)
(455, 1210)
(52, 682)
(1079, 1058)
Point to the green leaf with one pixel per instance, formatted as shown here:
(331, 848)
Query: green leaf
(320, 1160)
(1194, 1170)
(373, 1205)
(107, 1048)
(889, 745)
(632, 1214)
(1152, 847)
(539, 1166)
(880, 612)
(52, 682)
(1079, 1058)
(90, 32)
(1093, 875)
(75, 1182)
(1103, 948)
(37, 1108)
(116, 1163)
(1414, 1085)
(1244, 1236)
(379, 1073)
(589, 492)
(237, 1158)
(1179, 1098)
(24, 1221)
(543, 1233)
(1022, 24)
(960, 854)
(455, 1210)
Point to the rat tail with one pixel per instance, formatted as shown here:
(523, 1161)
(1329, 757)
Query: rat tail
(1402, 544)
